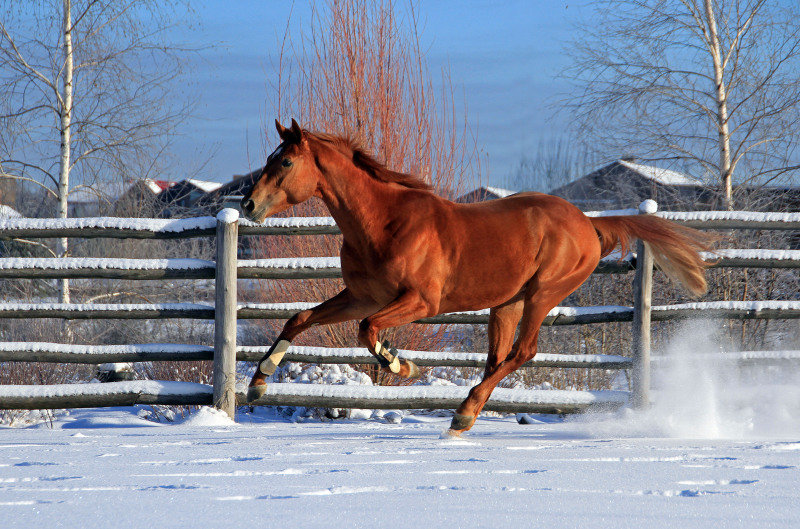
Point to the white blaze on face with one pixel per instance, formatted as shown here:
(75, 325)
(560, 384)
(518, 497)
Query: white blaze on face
(276, 153)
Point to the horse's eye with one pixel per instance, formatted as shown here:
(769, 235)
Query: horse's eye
(286, 162)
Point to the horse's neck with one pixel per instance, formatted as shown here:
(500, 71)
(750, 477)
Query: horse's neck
(360, 205)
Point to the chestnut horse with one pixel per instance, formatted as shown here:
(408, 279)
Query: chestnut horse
(409, 254)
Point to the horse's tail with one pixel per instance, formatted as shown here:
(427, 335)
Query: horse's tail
(676, 249)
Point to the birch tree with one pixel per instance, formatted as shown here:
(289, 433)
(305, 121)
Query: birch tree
(86, 93)
(712, 85)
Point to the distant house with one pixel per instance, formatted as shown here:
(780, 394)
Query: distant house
(229, 195)
(185, 195)
(127, 198)
(484, 193)
(140, 198)
(625, 183)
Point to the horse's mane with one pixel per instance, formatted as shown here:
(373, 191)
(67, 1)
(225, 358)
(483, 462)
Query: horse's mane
(367, 162)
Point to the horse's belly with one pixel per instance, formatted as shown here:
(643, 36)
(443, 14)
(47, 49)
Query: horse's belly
(488, 278)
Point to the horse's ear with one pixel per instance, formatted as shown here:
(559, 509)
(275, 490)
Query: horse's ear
(297, 132)
(283, 132)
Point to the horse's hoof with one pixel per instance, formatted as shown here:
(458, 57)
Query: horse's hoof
(408, 369)
(256, 392)
(461, 423)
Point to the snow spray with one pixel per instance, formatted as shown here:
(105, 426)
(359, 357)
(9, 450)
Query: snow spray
(700, 391)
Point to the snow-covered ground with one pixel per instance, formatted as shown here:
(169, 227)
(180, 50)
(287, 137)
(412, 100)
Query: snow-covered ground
(110, 468)
(720, 447)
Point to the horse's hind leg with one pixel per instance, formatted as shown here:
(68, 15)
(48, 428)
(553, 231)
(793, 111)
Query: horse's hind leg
(523, 350)
(538, 301)
(342, 307)
(503, 321)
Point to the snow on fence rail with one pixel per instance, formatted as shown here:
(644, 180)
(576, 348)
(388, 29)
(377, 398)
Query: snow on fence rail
(225, 311)
(98, 354)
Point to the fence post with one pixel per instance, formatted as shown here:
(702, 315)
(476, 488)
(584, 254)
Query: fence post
(642, 301)
(224, 378)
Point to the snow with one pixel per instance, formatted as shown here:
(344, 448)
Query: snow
(115, 367)
(388, 393)
(209, 223)
(149, 387)
(563, 311)
(204, 185)
(228, 216)
(500, 192)
(79, 307)
(291, 222)
(152, 186)
(206, 416)
(292, 307)
(432, 356)
(611, 212)
(101, 307)
(73, 263)
(648, 206)
(9, 213)
(776, 255)
(664, 176)
(78, 350)
(750, 216)
(718, 448)
(205, 472)
(731, 305)
(316, 263)
(121, 223)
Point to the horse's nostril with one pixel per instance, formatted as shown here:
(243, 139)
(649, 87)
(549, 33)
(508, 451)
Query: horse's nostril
(248, 205)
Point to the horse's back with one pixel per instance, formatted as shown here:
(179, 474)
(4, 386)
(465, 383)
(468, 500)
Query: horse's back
(497, 246)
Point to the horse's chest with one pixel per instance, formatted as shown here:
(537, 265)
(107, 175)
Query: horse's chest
(371, 277)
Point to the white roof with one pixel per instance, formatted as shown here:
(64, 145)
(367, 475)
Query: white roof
(152, 186)
(664, 176)
(205, 185)
(7, 212)
(500, 192)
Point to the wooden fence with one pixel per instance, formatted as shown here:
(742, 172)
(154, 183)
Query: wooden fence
(226, 311)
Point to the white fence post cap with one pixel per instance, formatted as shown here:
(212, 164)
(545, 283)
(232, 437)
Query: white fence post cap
(228, 216)
(648, 207)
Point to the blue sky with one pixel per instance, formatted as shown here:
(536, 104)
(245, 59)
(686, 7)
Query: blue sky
(503, 59)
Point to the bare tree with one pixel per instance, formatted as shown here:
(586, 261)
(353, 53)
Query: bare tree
(360, 71)
(85, 93)
(710, 83)
(553, 164)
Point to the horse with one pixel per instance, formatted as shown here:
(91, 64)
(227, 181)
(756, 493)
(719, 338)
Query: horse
(408, 254)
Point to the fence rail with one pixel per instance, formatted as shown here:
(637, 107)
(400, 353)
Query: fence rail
(225, 311)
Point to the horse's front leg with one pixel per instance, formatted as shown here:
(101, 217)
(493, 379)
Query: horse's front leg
(342, 307)
(406, 308)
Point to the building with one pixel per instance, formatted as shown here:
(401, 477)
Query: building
(229, 195)
(184, 196)
(484, 193)
(625, 184)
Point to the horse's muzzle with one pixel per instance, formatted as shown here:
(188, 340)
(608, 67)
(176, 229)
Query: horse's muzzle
(248, 206)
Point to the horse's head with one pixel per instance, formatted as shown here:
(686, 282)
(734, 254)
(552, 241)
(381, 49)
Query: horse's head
(290, 176)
